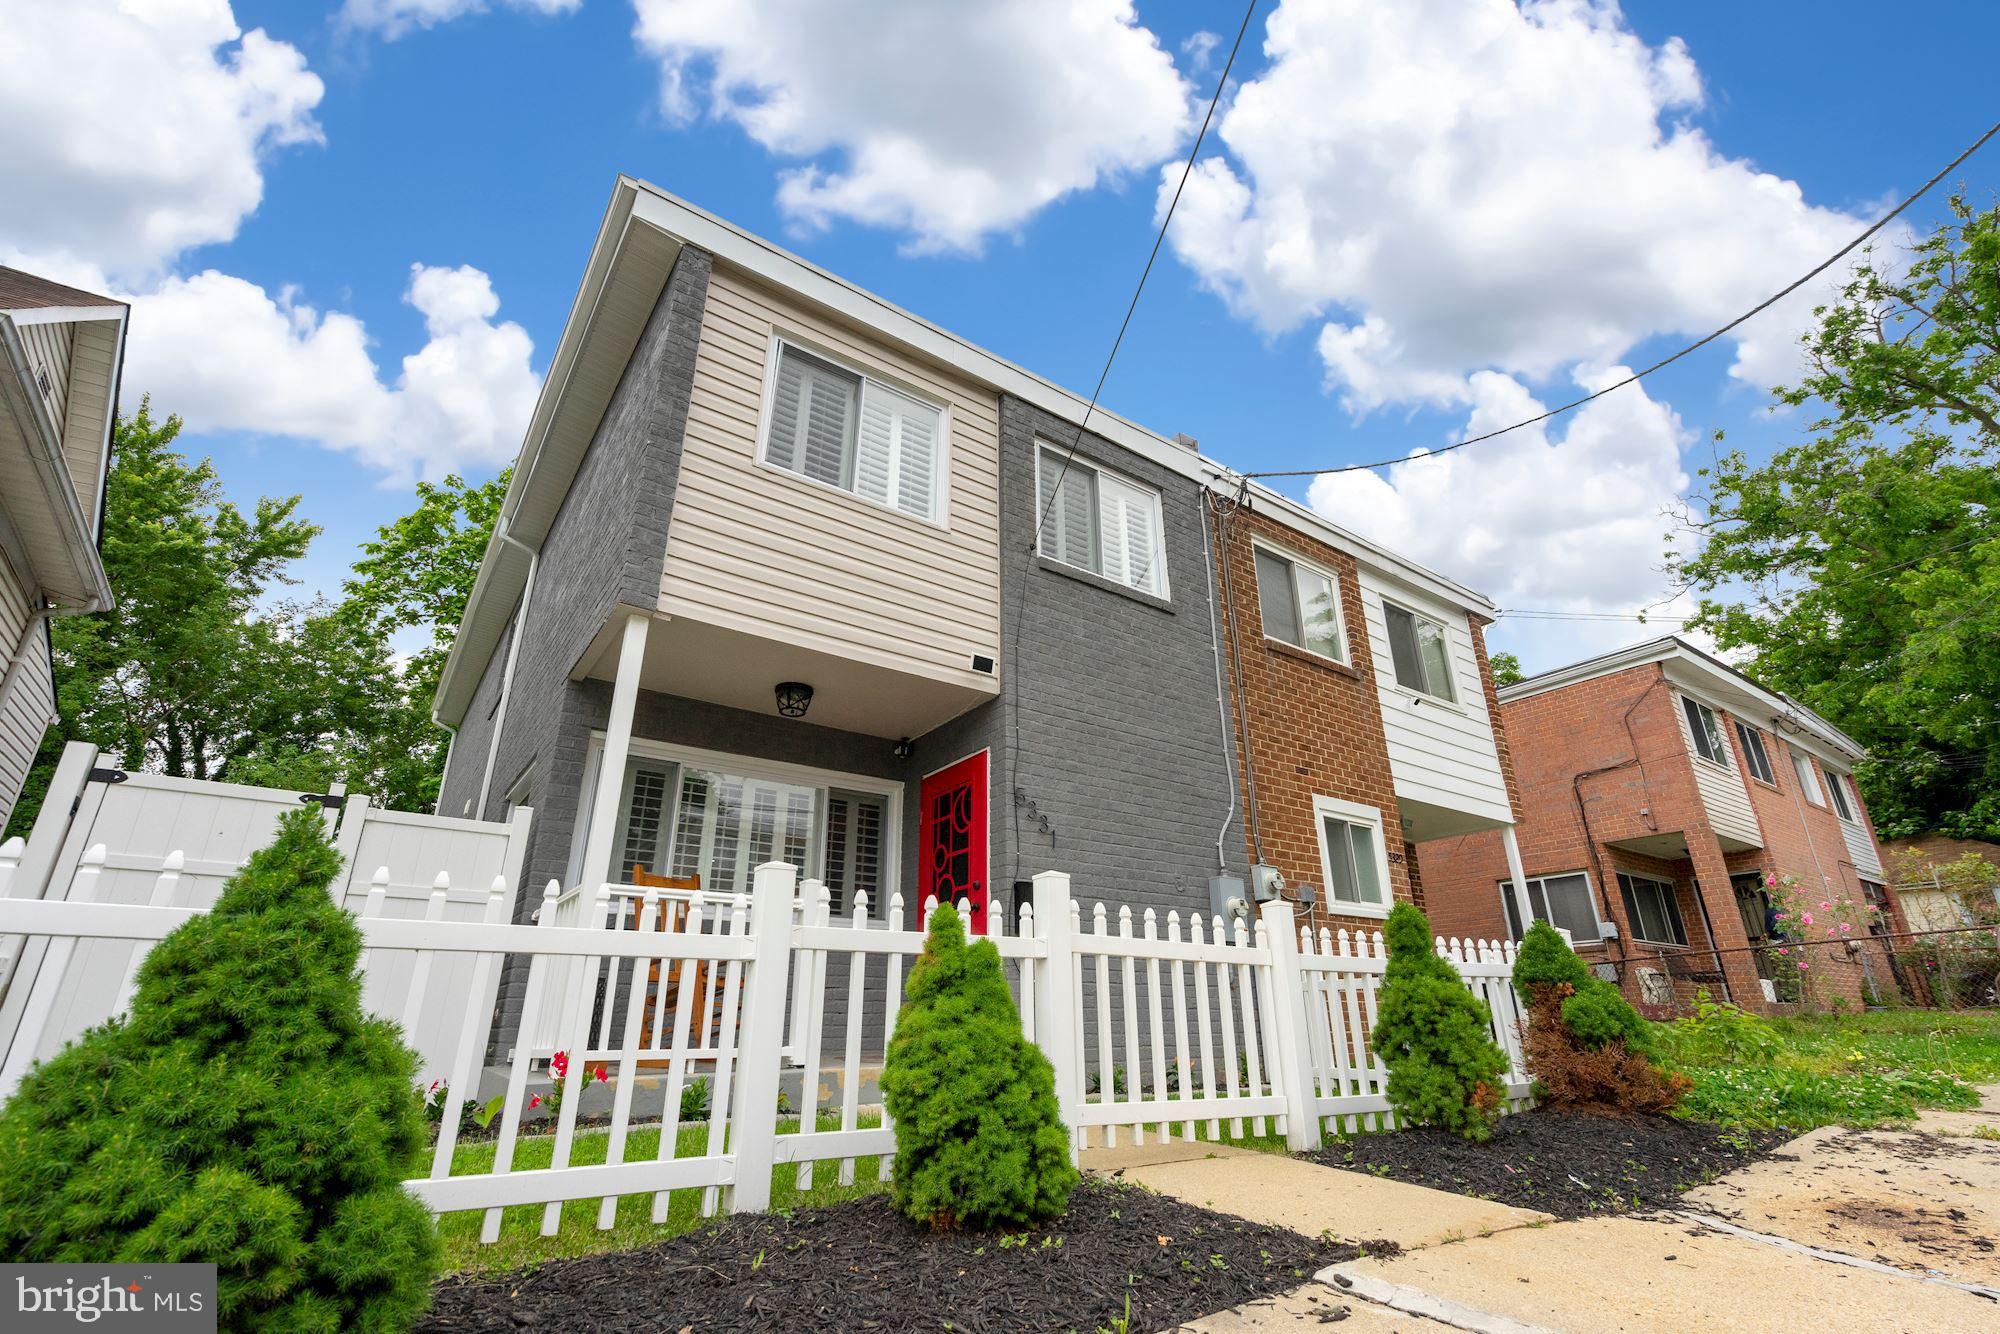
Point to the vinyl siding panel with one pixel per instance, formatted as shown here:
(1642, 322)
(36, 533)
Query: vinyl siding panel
(1439, 753)
(1723, 795)
(763, 551)
(30, 706)
(48, 348)
(91, 391)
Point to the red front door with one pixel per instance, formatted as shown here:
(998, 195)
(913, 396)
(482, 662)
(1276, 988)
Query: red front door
(951, 839)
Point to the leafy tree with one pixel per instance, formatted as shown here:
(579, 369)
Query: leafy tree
(201, 672)
(1506, 669)
(1434, 1035)
(979, 1137)
(247, 1114)
(1861, 566)
(418, 571)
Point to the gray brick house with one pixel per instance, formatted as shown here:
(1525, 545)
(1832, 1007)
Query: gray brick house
(770, 556)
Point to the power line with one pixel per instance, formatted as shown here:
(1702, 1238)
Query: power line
(1187, 170)
(1076, 440)
(1664, 362)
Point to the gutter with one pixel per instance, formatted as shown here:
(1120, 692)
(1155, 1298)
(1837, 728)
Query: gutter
(78, 536)
(500, 534)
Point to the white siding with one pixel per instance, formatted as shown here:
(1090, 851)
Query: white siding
(1723, 795)
(1860, 847)
(762, 551)
(28, 709)
(1439, 753)
(48, 354)
(91, 371)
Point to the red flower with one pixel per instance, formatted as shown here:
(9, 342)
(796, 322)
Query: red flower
(601, 1076)
(534, 1102)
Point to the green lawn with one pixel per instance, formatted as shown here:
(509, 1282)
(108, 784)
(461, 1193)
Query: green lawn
(521, 1242)
(1854, 1070)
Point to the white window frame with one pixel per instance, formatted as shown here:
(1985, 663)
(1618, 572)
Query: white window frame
(1351, 813)
(1043, 447)
(1298, 563)
(1694, 712)
(1589, 893)
(1750, 742)
(940, 515)
(1451, 658)
(776, 771)
(1844, 801)
(1802, 769)
(1672, 895)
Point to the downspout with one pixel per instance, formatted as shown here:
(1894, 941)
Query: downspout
(1236, 666)
(19, 657)
(1221, 691)
(501, 534)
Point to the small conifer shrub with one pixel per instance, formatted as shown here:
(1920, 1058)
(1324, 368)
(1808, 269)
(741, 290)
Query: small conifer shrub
(979, 1136)
(247, 1114)
(1434, 1035)
(1584, 1042)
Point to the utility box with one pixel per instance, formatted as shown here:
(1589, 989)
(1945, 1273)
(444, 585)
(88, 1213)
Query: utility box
(1266, 883)
(1226, 898)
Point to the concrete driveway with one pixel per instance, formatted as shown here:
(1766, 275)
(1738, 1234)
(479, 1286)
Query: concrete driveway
(1840, 1229)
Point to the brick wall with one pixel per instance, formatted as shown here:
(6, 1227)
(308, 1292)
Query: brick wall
(1314, 725)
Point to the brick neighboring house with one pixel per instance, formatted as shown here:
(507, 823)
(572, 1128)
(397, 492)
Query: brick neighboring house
(1659, 786)
(774, 555)
(1366, 718)
(1932, 905)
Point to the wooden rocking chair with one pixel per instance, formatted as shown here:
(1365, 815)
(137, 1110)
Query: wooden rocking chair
(663, 995)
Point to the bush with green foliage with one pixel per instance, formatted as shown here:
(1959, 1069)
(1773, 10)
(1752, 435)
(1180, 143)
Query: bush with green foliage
(246, 1114)
(1434, 1035)
(979, 1136)
(1584, 1042)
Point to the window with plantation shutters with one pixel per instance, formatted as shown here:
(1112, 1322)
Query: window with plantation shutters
(848, 431)
(1098, 521)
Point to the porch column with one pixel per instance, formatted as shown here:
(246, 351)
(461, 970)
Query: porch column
(1513, 847)
(617, 747)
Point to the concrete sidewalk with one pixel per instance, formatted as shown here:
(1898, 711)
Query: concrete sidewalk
(1838, 1229)
(1305, 1197)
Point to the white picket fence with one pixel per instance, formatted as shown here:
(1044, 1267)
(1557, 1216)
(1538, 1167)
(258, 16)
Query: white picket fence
(1186, 1029)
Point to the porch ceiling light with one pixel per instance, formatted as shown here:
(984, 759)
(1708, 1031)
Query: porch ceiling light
(794, 698)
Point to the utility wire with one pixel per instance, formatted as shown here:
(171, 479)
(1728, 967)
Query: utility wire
(1664, 362)
(1187, 170)
(1076, 440)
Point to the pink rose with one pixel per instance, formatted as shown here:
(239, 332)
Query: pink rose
(1825, 906)
(1829, 932)
(1803, 965)
(1845, 928)
(1770, 882)
(1806, 917)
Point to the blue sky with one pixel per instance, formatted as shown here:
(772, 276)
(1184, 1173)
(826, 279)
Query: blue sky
(488, 141)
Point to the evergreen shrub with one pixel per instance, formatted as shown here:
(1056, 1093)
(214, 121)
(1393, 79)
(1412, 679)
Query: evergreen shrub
(979, 1136)
(246, 1114)
(1584, 1043)
(1434, 1035)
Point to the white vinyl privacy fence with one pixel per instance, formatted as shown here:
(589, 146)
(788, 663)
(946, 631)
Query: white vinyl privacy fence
(1172, 1027)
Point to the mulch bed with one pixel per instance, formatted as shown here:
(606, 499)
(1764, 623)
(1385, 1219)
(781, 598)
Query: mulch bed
(1567, 1164)
(862, 1266)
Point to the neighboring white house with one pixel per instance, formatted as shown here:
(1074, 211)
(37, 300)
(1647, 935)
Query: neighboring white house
(60, 354)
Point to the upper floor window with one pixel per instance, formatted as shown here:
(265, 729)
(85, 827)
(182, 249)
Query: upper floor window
(1562, 900)
(1808, 783)
(1099, 522)
(1420, 652)
(1652, 908)
(1837, 790)
(1705, 731)
(855, 433)
(1300, 605)
(1754, 757)
(1352, 857)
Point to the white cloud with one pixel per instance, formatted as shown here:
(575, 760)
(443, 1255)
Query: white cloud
(1556, 522)
(134, 132)
(228, 356)
(947, 121)
(1457, 185)
(391, 19)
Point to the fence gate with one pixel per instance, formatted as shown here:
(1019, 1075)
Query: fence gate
(142, 819)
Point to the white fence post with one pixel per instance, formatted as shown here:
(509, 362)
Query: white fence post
(1290, 1056)
(1055, 997)
(48, 980)
(760, 1052)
